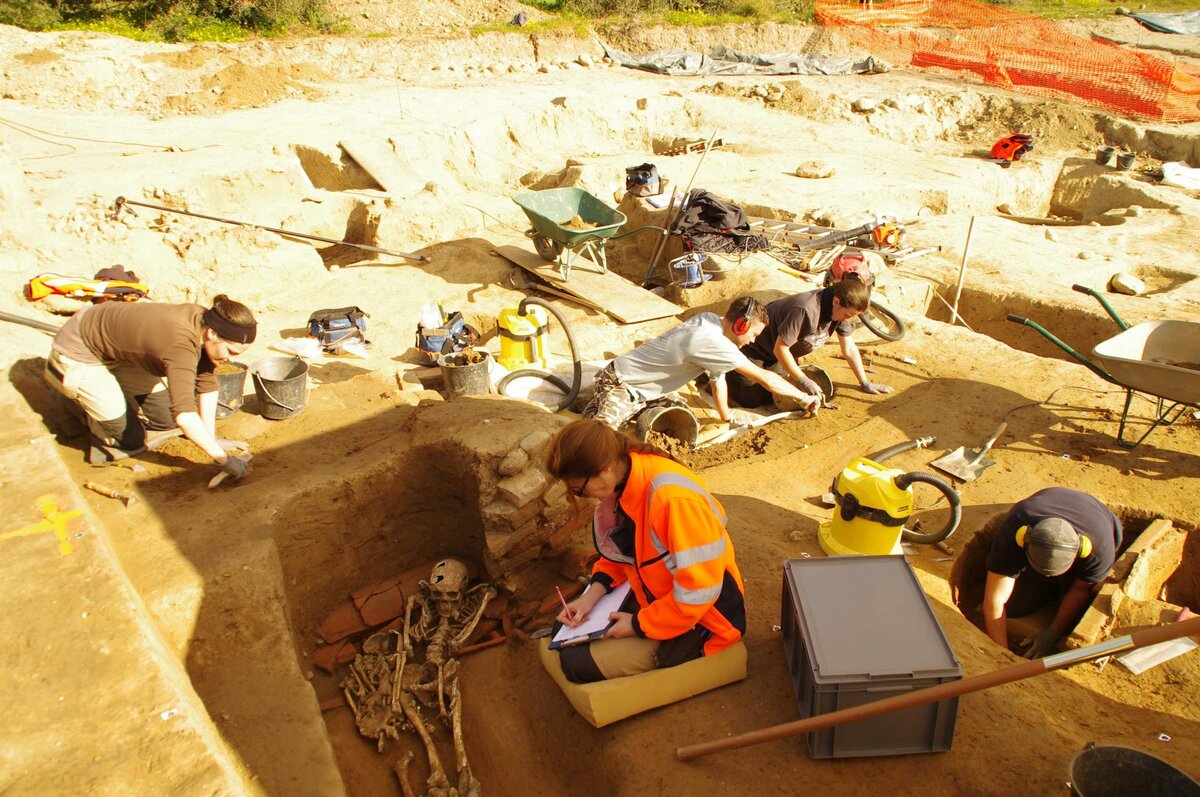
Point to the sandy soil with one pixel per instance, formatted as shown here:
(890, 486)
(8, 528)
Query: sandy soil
(374, 475)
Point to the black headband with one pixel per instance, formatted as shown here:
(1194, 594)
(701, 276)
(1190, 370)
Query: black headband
(229, 330)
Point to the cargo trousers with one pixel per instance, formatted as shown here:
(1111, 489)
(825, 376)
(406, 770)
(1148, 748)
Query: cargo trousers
(121, 401)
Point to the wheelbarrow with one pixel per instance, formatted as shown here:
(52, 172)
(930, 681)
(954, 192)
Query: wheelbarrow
(1158, 358)
(550, 212)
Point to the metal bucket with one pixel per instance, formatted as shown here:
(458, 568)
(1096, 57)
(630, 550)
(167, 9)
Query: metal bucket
(1113, 771)
(281, 384)
(231, 385)
(677, 422)
(464, 375)
(817, 374)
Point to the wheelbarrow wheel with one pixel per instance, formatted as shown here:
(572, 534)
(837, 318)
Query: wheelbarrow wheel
(547, 248)
(883, 322)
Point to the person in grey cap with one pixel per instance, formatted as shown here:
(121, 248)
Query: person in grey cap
(1055, 545)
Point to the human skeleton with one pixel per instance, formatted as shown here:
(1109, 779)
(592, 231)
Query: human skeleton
(386, 690)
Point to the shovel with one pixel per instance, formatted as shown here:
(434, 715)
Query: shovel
(967, 465)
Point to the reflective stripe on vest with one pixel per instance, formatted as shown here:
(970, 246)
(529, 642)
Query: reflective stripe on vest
(690, 556)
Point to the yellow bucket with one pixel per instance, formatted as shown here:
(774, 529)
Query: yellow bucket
(523, 338)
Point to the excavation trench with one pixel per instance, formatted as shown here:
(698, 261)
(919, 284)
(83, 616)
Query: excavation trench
(1155, 576)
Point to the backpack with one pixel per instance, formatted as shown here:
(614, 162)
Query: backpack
(453, 336)
(643, 180)
(334, 327)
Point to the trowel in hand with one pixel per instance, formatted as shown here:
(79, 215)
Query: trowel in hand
(968, 464)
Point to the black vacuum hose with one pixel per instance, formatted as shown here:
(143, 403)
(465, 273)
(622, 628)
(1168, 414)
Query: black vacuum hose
(572, 390)
(900, 448)
(904, 480)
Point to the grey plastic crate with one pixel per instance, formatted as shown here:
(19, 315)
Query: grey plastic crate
(858, 629)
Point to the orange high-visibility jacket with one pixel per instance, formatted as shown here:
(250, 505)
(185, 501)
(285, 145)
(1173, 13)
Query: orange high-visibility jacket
(44, 285)
(683, 572)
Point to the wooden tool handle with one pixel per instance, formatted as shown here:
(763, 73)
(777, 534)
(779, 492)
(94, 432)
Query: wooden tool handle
(975, 683)
(991, 441)
(103, 490)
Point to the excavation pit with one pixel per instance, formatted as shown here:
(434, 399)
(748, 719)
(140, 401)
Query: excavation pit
(1155, 575)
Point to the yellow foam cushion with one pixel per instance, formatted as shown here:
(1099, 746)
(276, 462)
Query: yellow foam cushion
(605, 702)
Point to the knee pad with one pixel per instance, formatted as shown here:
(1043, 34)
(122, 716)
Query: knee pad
(578, 665)
(127, 431)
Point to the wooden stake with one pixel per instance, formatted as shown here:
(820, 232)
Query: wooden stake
(962, 274)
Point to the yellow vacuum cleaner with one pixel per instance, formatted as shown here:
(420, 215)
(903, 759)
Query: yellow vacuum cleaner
(875, 502)
(523, 337)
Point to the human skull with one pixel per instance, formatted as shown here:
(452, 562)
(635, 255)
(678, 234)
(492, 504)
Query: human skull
(447, 582)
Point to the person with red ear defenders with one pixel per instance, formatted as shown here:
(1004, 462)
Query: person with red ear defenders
(799, 325)
(651, 373)
(1056, 545)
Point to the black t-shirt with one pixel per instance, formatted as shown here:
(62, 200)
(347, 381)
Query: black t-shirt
(803, 321)
(1086, 515)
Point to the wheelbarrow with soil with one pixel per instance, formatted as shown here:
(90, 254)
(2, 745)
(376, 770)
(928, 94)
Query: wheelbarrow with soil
(1158, 358)
(569, 223)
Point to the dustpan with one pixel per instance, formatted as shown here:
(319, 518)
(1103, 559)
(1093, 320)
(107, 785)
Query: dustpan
(968, 464)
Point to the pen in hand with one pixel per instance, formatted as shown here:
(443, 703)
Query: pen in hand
(566, 609)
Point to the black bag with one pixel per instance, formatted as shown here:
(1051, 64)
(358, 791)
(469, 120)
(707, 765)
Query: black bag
(332, 327)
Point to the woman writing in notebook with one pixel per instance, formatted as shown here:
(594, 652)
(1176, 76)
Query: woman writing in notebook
(657, 528)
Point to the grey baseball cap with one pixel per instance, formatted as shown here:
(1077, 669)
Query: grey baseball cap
(1051, 546)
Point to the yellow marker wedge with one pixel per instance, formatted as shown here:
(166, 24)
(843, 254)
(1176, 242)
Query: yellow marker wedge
(52, 520)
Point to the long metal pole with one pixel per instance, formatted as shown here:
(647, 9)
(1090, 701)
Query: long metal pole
(122, 201)
(29, 322)
(1017, 672)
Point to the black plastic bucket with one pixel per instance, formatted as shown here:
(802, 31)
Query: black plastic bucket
(281, 384)
(231, 385)
(1112, 771)
(465, 373)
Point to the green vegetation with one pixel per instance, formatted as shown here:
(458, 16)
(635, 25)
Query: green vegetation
(170, 20)
(233, 20)
(1065, 9)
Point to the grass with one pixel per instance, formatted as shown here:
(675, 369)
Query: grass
(1066, 9)
(176, 26)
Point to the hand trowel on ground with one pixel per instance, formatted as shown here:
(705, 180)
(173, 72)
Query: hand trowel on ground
(968, 464)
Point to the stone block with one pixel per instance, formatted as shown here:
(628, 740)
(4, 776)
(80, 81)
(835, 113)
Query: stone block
(1097, 621)
(514, 463)
(521, 488)
(555, 494)
(1156, 563)
(535, 442)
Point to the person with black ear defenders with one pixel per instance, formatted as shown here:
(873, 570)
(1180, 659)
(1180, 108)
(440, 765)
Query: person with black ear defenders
(1057, 544)
(704, 344)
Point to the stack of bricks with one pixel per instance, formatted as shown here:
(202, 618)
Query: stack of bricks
(529, 515)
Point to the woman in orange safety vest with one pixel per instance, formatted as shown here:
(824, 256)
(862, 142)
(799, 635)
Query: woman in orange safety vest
(657, 527)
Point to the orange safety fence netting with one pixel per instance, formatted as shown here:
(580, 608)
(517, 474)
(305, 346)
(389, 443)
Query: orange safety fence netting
(1020, 52)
